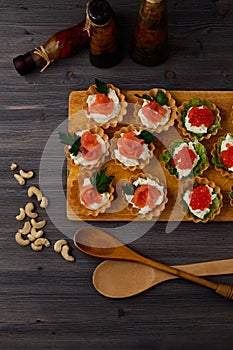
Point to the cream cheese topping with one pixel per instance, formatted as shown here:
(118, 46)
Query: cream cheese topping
(148, 123)
(198, 212)
(79, 158)
(196, 129)
(104, 118)
(105, 197)
(132, 161)
(148, 181)
(187, 171)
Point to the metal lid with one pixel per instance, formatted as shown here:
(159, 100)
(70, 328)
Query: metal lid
(100, 12)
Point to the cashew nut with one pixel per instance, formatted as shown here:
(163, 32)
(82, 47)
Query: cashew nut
(44, 202)
(42, 241)
(26, 175)
(33, 190)
(35, 247)
(29, 211)
(13, 166)
(20, 240)
(26, 228)
(21, 215)
(65, 253)
(38, 224)
(36, 234)
(59, 244)
(20, 179)
(31, 237)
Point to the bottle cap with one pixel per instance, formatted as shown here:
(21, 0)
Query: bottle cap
(24, 64)
(99, 12)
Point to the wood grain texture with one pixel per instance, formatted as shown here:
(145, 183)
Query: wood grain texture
(47, 303)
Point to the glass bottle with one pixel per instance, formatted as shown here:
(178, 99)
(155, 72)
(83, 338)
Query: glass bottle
(62, 44)
(104, 39)
(150, 46)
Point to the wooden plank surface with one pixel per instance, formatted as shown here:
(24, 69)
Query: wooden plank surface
(78, 121)
(48, 303)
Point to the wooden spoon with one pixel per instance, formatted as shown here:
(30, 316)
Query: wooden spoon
(98, 243)
(123, 279)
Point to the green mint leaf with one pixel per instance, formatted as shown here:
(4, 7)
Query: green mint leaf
(101, 181)
(147, 136)
(145, 97)
(73, 141)
(101, 87)
(74, 149)
(161, 98)
(129, 189)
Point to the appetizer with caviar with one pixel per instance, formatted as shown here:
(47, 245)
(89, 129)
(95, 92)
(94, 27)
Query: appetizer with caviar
(86, 147)
(223, 155)
(201, 199)
(198, 118)
(145, 196)
(132, 148)
(185, 158)
(95, 192)
(155, 110)
(104, 104)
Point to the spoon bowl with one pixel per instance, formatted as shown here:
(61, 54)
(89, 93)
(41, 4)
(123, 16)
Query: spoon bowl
(123, 279)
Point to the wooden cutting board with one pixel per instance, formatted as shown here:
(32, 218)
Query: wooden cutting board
(118, 212)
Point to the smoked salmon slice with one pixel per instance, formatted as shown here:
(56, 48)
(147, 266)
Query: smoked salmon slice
(145, 195)
(89, 195)
(130, 146)
(154, 111)
(185, 158)
(90, 147)
(102, 105)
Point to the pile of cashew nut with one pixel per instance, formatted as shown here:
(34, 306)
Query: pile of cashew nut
(31, 233)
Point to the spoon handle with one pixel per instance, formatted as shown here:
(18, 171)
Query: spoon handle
(220, 288)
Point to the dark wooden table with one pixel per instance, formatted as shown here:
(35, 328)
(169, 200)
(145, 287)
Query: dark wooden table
(48, 303)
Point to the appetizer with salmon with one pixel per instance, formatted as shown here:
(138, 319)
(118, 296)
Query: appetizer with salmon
(201, 200)
(86, 147)
(185, 158)
(104, 104)
(198, 118)
(223, 155)
(132, 148)
(145, 196)
(95, 192)
(155, 110)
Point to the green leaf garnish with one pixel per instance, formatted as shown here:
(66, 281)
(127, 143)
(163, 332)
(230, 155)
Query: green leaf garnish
(161, 98)
(231, 194)
(147, 136)
(145, 97)
(101, 87)
(73, 141)
(129, 189)
(101, 181)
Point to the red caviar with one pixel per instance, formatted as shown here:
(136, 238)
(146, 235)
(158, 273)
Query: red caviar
(201, 115)
(200, 198)
(226, 156)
